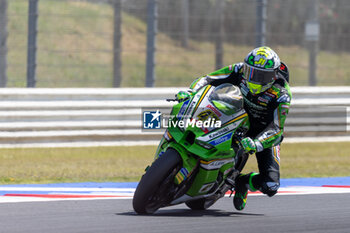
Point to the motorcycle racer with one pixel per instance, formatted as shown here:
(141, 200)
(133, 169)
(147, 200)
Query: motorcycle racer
(263, 81)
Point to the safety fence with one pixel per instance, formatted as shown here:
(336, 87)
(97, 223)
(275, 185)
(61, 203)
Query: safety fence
(42, 116)
(133, 43)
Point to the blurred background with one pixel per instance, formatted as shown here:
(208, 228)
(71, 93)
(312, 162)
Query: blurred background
(165, 43)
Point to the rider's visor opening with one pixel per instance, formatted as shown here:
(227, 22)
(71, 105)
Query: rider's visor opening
(258, 76)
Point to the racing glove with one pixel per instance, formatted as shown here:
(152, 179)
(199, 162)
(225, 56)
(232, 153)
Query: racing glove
(251, 146)
(183, 95)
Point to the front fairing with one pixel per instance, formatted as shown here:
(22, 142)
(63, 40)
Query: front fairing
(210, 138)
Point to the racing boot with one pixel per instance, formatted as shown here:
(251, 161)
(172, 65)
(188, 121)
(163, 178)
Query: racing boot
(243, 183)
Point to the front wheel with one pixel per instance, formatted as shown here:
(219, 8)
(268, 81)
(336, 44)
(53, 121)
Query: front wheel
(152, 191)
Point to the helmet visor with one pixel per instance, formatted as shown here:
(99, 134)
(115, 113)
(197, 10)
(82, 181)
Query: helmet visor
(258, 76)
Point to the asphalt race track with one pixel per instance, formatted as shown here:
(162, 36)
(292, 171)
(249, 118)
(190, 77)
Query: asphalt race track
(282, 213)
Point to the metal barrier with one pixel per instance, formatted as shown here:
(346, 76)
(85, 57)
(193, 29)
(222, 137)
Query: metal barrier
(114, 115)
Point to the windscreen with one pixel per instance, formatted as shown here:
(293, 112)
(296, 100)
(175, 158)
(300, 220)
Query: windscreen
(227, 98)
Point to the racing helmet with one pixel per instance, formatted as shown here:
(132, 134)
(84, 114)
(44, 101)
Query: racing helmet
(260, 69)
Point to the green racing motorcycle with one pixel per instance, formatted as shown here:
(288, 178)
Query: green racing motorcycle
(199, 156)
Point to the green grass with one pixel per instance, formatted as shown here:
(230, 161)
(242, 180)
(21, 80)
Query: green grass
(101, 164)
(47, 165)
(75, 50)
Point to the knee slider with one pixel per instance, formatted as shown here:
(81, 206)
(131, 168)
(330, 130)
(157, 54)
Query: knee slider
(270, 188)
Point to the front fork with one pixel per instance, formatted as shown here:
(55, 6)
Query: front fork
(184, 177)
(189, 163)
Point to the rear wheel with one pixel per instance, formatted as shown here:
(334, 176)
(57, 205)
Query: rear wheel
(205, 203)
(200, 204)
(153, 190)
(196, 204)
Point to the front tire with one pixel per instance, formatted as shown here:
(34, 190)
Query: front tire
(151, 192)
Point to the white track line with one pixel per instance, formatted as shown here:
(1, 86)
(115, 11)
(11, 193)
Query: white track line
(127, 193)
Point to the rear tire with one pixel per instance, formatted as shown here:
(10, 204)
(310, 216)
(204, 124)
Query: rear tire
(205, 203)
(151, 192)
(196, 204)
(200, 204)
